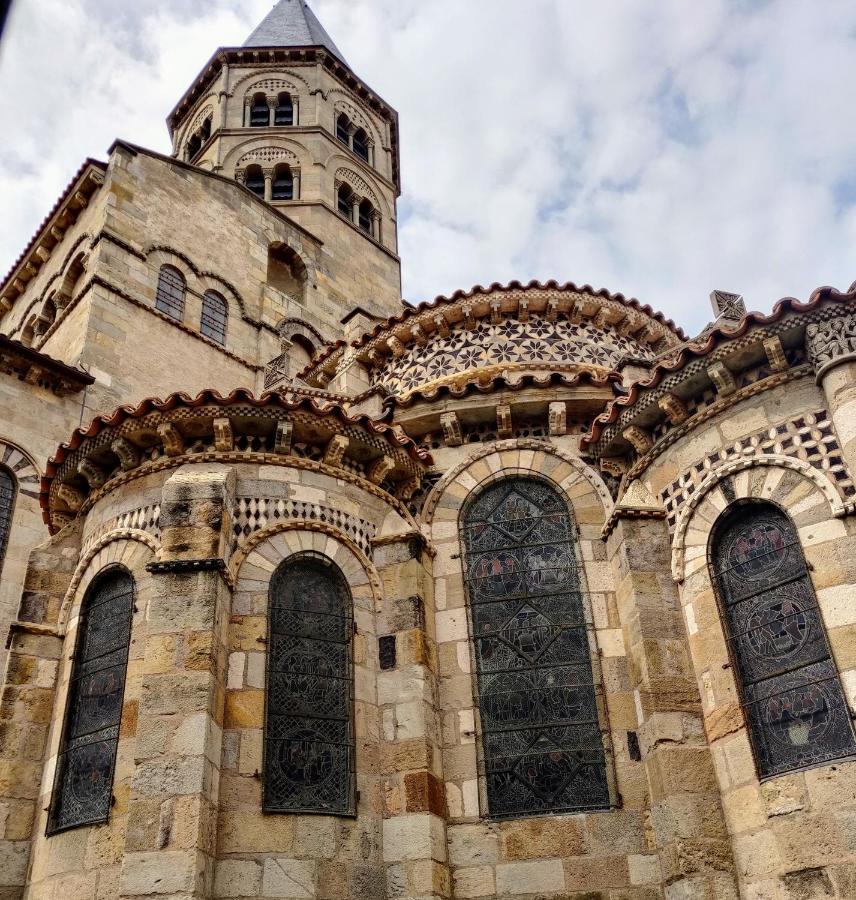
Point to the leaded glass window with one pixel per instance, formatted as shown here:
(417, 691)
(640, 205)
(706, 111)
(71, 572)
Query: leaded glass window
(309, 732)
(83, 789)
(792, 697)
(7, 504)
(214, 316)
(542, 743)
(170, 293)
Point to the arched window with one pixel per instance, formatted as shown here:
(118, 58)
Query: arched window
(194, 145)
(344, 199)
(795, 708)
(259, 112)
(256, 180)
(283, 183)
(361, 144)
(8, 489)
(542, 742)
(284, 114)
(205, 131)
(171, 291)
(309, 733)
(214, 315)
(366, 212)
(343, 129)
(83, 787)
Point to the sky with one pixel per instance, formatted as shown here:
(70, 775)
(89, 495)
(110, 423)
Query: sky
(658, 149)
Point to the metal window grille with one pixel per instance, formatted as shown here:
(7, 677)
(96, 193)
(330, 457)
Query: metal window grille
(792, 697)
(170, 293)
(83, 788)
(8, 489)
(543, 745)
(214, 316)
(309, 731)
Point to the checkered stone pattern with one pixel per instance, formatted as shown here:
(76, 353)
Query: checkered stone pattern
(146, 518)
(510, 342)
(810, 438)
(251, 514)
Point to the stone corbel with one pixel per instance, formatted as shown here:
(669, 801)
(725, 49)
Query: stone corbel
(92, 473)
(452, 432)
(379, 469)
(722, 378)
(224, 437)
(639, 438)
(335, 452)
(523, 310)
(173, 440)
(284, 437)
(495, 311)
(441, 325)
(467, 310)
(552, 310)
(396, 347)
(72, 497)
(129, 456)
(504, 426)
(419, 334)
(776, 354)
(558, 418)
(674, 408)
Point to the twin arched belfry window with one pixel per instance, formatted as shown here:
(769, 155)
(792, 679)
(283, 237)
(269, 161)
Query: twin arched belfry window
(541, 733)
(170, 300)
(8, 489)
(309, 731)
(795, 708)
(83, 789)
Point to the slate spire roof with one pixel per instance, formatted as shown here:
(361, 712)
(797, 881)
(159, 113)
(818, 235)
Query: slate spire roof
(291, 23)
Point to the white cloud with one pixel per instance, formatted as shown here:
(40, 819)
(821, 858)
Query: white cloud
(658, 149)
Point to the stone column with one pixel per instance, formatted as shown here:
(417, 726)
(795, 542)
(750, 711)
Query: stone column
(272, 102)
(268, 174)
(170, 845)
(248, 104)
(27, 706)
(687, 821)
(832, 350)
(295, 104)
(414, 830)
(295, 181)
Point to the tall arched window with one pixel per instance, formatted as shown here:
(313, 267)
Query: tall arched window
(309, 730)
(205, 131)
(361, 144)
(194, 145)
(171, 290)
(366, 212)
(344, 199)
(283, 183)
(284, 114)
(795, 707)
(255, 180)
(542, 742)
(8, 489)
(215, 312)
(83, 787)
(259, 112)
(343, 129)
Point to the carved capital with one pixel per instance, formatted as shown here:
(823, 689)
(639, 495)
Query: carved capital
(831, 343)
(452, 433)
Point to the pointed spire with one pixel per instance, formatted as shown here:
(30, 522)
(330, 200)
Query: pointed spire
(291, 23)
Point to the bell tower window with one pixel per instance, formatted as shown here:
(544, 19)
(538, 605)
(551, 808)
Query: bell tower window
(256, 180)
(283, 183)
(343, 130)
(344, 198)
(366, 216)
(284, 114)
(361, 144)
(259, 112)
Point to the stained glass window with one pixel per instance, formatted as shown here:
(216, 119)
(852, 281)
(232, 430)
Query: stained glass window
(7, 503)
(542, 744)
(170, 293)
(309, 737)
(794, 704)
(83, 788)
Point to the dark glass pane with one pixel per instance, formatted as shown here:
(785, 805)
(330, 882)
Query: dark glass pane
(214, 315)
(7, 502)
(795, 708)
(170, 294)
(541, 735)
(283, 185)
(83, 789)
(361, 144)
(309, 744)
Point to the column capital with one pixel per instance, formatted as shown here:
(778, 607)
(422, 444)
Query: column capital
(831, 343)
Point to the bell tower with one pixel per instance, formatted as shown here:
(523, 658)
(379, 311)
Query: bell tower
(286, 117)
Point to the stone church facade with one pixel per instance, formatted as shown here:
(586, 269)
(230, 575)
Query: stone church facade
(309, 593)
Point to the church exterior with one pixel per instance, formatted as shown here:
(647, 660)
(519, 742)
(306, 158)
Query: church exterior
(309, 593)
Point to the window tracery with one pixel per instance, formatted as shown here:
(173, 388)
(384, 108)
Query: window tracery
(8, 490)
(83, 788)
(309, 732)
(542, 743)
(795, 708)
